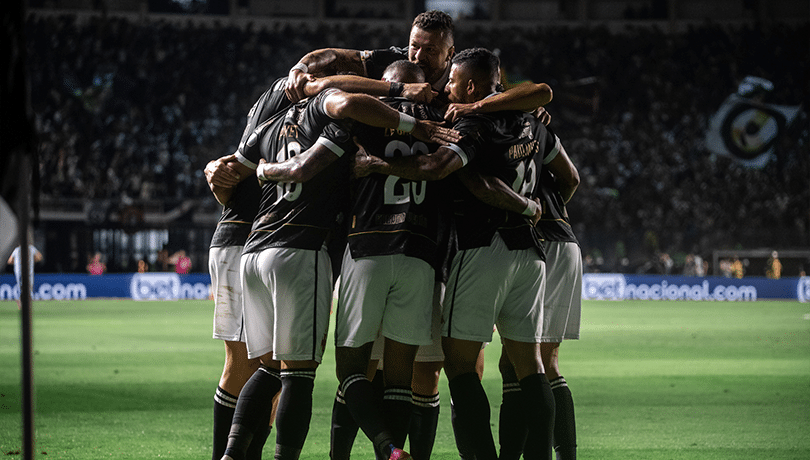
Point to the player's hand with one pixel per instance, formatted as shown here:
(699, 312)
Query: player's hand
(431, 131)
(419, 92)
(543, 115)
(534, 219)
(363, 163)
(456, 111)
(296, 81)
(221, 173)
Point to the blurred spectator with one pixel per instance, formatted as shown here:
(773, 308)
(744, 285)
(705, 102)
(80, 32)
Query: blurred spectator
(162, 262)
(143, 266)
(773, 268)
(95, 266)
(181, 262)
(737, 268)
(725, 268)
(690, 266)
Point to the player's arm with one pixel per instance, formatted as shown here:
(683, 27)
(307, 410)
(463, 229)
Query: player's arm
(37, 256)
(525, 97)
(223, 174)
(418, 92)
(326, 61)
(495, 192)
(371, 111)
(565, 172)
(432, 166)
(301, 167)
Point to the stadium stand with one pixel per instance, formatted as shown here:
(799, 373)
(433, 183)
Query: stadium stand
(130, 109)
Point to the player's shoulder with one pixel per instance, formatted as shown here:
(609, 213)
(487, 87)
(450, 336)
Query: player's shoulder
(417, 110)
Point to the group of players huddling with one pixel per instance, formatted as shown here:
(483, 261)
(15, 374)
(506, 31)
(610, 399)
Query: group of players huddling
(438, 234)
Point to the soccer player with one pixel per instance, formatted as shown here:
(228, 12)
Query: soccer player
(286, 271)
(16, 259)
(395, 227)
(224, 254)
(561, 314)
(497, 277)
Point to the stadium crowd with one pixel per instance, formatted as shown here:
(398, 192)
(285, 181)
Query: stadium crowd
(132, 110)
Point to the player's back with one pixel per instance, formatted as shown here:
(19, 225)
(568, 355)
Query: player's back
(392, 215)
(554, 224)
(298, 215)
(510, 146)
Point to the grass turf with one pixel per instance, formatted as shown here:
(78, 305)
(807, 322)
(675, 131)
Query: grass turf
(118, 379)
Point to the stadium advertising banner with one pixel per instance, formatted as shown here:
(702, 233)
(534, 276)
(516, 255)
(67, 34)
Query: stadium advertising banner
(137, 286)
(595, 286)
(605, 286)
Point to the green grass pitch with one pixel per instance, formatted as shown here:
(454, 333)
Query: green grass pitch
(118, 379)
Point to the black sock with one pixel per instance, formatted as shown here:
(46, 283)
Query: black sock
(539, 403)
(464, 446)
(397, 403)
(224, 407)
(472, 409)
(364, 406)
(344, 430)
(294, 411)
(254, 451)
(512, 427)
(565, 428)
(424, 420)
(253, 410)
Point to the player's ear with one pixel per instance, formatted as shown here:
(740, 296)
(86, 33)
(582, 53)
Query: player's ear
(470, 87)
(451, 52)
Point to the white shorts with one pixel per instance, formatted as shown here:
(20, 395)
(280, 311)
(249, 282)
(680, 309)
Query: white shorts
(562, 304)
(426, 353)
(387, 295)
(287, 296)
(494, 285)
(226, 287)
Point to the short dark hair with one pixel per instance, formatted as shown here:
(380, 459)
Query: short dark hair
(435, 20)
(407, 71)
(483, 63)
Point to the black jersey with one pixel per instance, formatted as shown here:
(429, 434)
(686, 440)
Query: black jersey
(237, 216)
(392, 215)
(554, 224)
(510, 146)
(298, 215)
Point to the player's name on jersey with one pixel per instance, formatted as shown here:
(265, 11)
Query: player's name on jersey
(519, 151)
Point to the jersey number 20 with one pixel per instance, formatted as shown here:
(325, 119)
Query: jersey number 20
(397, 189)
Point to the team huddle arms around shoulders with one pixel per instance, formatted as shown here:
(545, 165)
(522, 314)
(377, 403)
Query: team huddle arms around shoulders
(403, 180)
